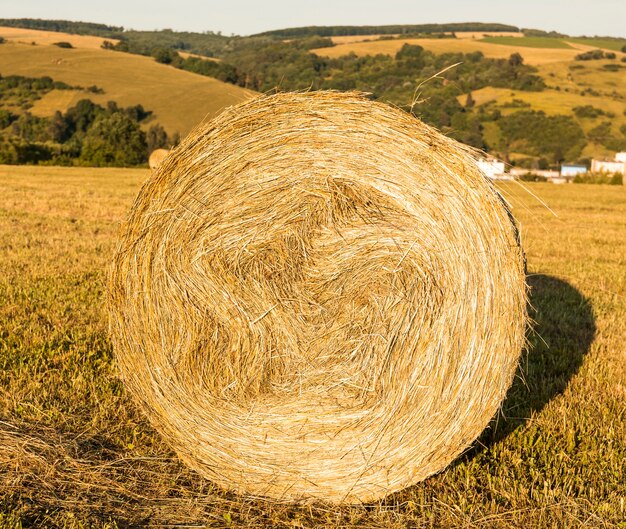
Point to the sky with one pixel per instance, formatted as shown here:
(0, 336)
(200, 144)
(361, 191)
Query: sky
(245, 17)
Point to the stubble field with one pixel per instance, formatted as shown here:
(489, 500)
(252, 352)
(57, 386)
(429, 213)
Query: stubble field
(75, 452)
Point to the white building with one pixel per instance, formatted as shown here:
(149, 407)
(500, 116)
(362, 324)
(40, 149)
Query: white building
(571, 170)
(491, 168)
(620, 157)
(609, 167)
(545, 173)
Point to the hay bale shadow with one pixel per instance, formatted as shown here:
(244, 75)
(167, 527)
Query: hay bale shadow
(563, 331)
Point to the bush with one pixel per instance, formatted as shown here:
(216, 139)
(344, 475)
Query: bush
(588, 111)
(515, 103)
(599, 178)
(601, 132)
(165, 56)
(20, 152)
(530, 177)
(592, 55)
(6, 118)
(64, 44)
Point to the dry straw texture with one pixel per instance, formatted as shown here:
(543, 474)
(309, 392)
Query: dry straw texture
(318, 296)
(156, 157)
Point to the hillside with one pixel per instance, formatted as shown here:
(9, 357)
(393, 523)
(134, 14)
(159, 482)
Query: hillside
(551, 50)
(178, 99)
(30, 36)
(533, 101)
(571, 84)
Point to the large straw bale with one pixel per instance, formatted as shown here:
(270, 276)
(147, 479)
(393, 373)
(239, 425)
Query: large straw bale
(318, 296)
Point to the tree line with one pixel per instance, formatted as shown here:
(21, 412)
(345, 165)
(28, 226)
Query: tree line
(86, 134)
(394, 29)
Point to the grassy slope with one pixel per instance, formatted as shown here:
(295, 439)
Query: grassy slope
(75, 452)
(178, 99)
(554, 65)
(532, 55)
(607, 44)
(607, 85)
(28, 36)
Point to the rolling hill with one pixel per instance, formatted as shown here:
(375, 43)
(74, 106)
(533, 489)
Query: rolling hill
(570, 83)
(534, 51)
(178, 99)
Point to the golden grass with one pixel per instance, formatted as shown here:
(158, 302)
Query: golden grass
(58, 100)
(534, 56)
(549, 101)
(483, 34)
(580, 75)
(318, 296)
(75, 453)
(178, 99)
(186, 55)
(27, 36)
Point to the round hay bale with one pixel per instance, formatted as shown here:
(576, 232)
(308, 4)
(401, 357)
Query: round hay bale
(156, 157)
(318, 296)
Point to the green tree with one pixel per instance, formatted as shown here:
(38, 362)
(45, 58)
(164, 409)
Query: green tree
(165, 55)
(82, 115)
(59, 129)
(156, 138)
(114, 140)
(516, 60)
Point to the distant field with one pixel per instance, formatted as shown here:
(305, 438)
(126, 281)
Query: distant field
(608, 44)
(586, 74)
(76, 453)
(27, 36)
(532, 55)
(482, 34)
(550, 101)
(179, 100)
(529, 42)
(186, 55)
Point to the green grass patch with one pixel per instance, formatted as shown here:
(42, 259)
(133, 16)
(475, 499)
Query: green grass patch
(606, 43)
(528, 42)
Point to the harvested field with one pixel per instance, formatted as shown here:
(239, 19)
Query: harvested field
(75, 452)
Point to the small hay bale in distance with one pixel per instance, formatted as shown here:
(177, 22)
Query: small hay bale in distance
(156, 158)
(317, 296)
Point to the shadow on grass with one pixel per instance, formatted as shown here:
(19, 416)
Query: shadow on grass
(563, 331)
